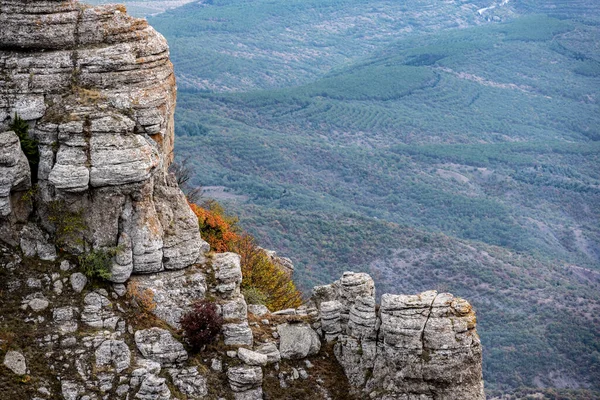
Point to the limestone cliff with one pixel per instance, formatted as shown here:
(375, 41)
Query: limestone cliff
(97, 90)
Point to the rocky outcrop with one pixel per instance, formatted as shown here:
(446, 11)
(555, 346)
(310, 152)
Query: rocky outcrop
(98, 92)
(423, 345)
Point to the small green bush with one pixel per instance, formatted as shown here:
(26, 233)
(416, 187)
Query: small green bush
(97, 264)
(254, 295)
(28, 145)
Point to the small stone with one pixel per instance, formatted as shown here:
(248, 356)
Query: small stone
(120, 289)
(68, 342)
(65, 265)
(287, 311)
(34, 283)
(308, 364)
(78, 281)
(155, 388)
(58, 287)
(122, 390)
(295, 374)
(231, 354)
(44, 391)
(216, 365)
(38, 304)
(270, 350)
(15, 361)
(303, 374)
(265, 321)
(189, 382)
(244, 378)
(251, 357)
(113, 353)
(71, 390)
(298, 341)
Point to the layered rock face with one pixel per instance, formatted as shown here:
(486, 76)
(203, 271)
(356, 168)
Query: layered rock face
(422, 346)
(98, 91)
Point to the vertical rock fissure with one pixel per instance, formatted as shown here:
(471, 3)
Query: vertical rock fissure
(425, 357)
(426, 321)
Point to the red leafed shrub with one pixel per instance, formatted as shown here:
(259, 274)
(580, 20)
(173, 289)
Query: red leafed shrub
(202, 324)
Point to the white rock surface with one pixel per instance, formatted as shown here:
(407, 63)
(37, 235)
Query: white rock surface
(159, 345)
(250, 357)
(297, 341)
(15, 361)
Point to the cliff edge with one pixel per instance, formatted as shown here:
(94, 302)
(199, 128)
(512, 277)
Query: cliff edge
(87, 96)
(98, 92)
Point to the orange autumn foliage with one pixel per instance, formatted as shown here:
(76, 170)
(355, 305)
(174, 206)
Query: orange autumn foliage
(218, 229)
(262, 277)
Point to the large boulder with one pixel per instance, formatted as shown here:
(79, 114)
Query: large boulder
(297, 341)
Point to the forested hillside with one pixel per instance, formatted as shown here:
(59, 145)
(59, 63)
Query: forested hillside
(435, 144)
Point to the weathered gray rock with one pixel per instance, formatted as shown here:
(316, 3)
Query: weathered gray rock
(15, 361)
(97, 311)
(258, 309)
(235, 309)
(78, 281)
(228, 274)
(153, 388)
(216, 365)
(363, 318)
(65, 319)
(123, 265)
(71, 390)
(34, 242)
(189, 382)
(113, 353)
(238, 334)
(98, 90)
(330, 319)
(283, 262)
(15, 175)
(244, 378)
(173, 292)
(36, 302)
(158, 345)
(417, 346)
(250, 357)
(253, 394)
(297, 341)
(271, 351)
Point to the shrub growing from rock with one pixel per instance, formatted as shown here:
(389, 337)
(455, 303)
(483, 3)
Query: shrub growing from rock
(97, 263)
(28, 145)
(202, 324)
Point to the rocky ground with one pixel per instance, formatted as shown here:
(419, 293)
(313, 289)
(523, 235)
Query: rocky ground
(62, 335)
